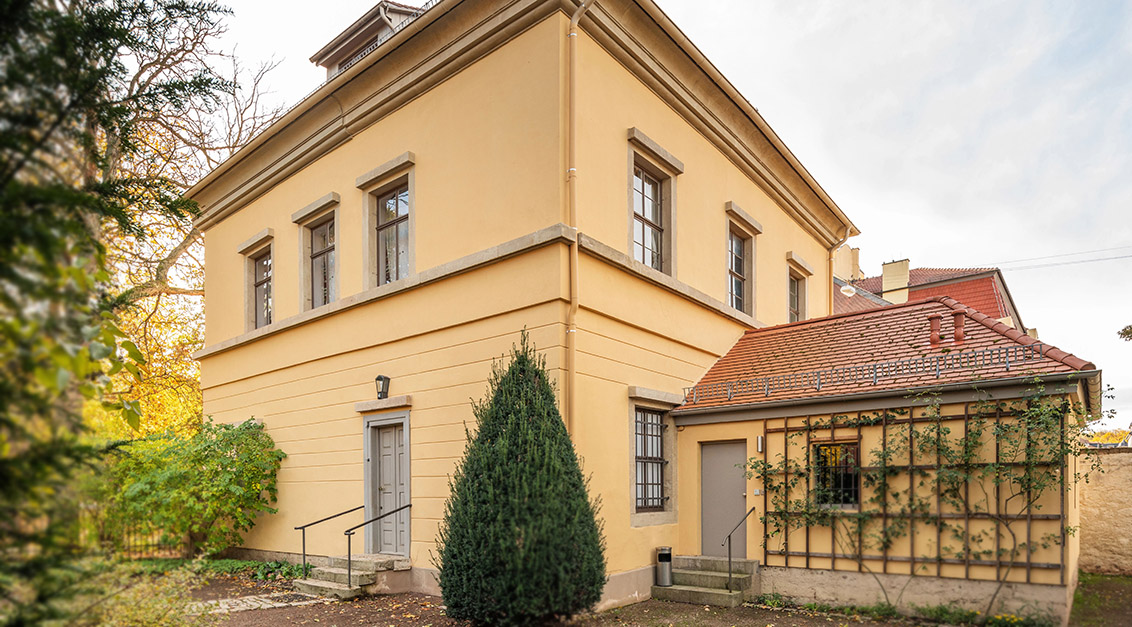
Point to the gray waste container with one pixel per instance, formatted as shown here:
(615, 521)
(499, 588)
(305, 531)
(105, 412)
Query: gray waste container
(664, 566)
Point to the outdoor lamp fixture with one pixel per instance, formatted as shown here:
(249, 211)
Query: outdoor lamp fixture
(382, 382)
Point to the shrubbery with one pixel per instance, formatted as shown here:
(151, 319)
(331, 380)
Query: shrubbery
(209, 487)
(520, 542)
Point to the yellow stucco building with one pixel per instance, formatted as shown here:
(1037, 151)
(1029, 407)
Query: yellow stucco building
(470, 169)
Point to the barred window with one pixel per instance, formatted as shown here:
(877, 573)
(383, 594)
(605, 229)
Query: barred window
(838, 480)
(650, 460)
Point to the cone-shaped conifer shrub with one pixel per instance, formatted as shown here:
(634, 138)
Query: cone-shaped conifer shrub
(520, 542)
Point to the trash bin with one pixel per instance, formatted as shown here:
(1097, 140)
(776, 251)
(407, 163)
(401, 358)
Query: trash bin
(664, 566)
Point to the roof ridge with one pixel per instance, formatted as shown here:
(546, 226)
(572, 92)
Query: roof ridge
(847, 314)
(1010, 332)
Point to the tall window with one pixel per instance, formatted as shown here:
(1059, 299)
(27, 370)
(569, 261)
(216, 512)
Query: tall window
(737, 271)
(838, 480)
(648, 227)
(650, 460)
(797, 297)
(261, 285)
(322, 264)
(393, 235)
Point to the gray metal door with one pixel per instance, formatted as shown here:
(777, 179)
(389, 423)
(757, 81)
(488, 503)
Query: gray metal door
(390, 535)
(723, 497)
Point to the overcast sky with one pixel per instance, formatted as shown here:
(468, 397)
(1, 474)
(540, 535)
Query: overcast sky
(955, 134)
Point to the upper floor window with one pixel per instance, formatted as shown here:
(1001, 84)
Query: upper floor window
(649, 460)
(648, 220)
(393, 235)
(837, 480)
(796, 297)
(261, 289)
(322, 263)
(738, 259)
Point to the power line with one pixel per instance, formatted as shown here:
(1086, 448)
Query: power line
(1065, 263)
(1083, 252)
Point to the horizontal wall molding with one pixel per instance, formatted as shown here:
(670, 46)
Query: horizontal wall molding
(558, 233)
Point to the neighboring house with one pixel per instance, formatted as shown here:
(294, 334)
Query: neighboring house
(981, 288)
(481, 170)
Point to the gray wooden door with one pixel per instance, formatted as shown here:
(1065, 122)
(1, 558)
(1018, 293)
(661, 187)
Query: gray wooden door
(390, 534)
(723, 498)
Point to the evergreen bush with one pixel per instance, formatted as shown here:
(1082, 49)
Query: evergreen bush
(520, 542)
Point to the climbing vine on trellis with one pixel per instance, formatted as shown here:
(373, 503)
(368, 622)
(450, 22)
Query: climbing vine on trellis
(976, 482)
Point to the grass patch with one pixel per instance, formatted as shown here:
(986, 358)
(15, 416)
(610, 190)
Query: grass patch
(948, 614)
(1099, 598)
(259, 570)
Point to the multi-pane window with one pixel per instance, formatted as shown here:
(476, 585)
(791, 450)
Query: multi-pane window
(393, 235)
(796, 297)
(650, 460)
(261, 286)
(648, 225)
(322, 263)
(838, 476)
(736, 271)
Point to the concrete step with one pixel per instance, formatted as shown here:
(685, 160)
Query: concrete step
(698, 595)
(710, 579)
(326, 588)
(338, 575)
(372, 562)
(714, 564)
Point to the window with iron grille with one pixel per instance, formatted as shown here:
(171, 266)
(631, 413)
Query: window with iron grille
(648, 223)
(736, 271)
(322, 264)
(838, 475)
(261, 285)
(650, 460)
(393, 235)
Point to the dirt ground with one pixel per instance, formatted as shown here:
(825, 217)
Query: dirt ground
(1102, 600)
(232, 586)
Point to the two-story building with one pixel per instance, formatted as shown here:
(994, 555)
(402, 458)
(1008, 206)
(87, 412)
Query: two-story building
(471, 169)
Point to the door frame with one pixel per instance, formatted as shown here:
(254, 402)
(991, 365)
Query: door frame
(370, 468)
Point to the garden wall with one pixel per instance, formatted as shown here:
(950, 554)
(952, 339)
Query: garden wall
(1106, 515)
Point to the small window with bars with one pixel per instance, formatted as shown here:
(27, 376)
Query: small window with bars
(650, 460)
(838, 475)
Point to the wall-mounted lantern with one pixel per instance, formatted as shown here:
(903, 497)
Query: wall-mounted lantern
(382, 382)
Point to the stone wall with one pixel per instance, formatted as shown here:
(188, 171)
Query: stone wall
(1106, 515)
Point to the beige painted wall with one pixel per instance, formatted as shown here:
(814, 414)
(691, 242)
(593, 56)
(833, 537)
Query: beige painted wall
(1106, 515)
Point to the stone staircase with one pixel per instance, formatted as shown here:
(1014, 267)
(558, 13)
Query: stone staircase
(330, 580)
(702, 580)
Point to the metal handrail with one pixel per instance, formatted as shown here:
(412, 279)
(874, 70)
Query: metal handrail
(349, 533)
(303, 528)
(728, 543)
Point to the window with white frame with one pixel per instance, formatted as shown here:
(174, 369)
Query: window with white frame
(739, 270)
(796, 297)
(261, 289)
(648, 219)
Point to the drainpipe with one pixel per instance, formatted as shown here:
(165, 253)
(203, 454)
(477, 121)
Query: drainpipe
(832, 284)
(571, 193)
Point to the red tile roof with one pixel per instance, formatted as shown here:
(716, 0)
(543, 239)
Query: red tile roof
(980, 293)
(786, 358)
(862, 300)
(920, 276)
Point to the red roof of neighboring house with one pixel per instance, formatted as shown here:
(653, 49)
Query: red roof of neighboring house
(862, 300)
(920, 276)
(855, 342)
(980, 293)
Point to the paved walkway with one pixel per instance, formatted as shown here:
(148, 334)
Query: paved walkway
(256, 602)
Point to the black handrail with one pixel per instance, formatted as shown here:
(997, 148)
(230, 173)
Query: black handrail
(303, 528)
(728, 543)
(349, 533)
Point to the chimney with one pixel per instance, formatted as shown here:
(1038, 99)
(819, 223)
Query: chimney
(894, 281)
(960, 321)
(934, 319)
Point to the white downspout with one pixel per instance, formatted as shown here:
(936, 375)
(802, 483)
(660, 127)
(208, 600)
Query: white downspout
(572, 200)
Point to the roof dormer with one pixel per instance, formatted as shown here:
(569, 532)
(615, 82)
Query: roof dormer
(365, 34)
